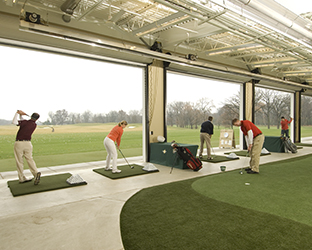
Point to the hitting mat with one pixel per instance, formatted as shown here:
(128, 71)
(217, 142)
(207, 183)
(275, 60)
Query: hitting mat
(243, 153)
(217, 158)
(126, 171)
(47, 183)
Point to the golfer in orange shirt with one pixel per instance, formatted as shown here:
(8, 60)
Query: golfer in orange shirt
(113, 137)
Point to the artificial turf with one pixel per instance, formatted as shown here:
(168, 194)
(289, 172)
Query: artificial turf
(126, 171)
(221, 212)
(47, 183)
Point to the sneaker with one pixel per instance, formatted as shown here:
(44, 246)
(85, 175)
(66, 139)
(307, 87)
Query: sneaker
(108, 168)
(117, 171)
(37, 179)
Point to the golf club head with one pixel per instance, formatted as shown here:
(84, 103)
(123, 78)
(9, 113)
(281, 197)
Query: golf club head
(241, 172)
(132, 167)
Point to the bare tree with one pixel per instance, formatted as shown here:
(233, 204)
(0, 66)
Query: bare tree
(202, 110)
(135, 116)
(122, 115)
(229, 110)
(306, 111)
(60, 117)
(87, 116)
(281, 106)
(267, 98)
(176, 112)
(112, 116)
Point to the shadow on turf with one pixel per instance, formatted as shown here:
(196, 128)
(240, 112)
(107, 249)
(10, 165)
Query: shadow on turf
(217, 159)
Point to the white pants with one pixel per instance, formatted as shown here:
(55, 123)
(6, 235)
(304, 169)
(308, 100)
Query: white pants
(111, 153)
(24, 149)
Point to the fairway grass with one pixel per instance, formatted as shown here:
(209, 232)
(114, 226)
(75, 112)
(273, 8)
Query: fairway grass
(70, 144)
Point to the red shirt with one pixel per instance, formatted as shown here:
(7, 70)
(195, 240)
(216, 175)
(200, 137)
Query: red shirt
(248, 125)
(284, 124)
(116, 134)
(27, 127)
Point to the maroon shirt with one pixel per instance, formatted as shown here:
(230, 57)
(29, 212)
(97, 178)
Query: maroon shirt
(27, 127)
(247, 125)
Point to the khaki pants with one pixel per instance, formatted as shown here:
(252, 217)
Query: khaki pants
(24, 149)
(256, 152)
(204, 137)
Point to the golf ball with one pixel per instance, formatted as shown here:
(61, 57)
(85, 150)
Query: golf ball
(247, 183)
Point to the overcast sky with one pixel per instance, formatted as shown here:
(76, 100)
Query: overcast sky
(43, 82)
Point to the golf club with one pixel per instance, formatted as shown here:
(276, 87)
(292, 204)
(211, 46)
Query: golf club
(241, 172)
(211, 149)
(126, 159)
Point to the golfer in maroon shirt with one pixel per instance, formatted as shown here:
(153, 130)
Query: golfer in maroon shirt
(23, 146)
(254, 139)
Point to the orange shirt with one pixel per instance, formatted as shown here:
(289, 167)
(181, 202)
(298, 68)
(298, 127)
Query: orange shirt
(285, 123)
(115, 134)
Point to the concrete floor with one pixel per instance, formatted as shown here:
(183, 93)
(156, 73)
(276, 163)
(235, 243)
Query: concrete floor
(87, 217)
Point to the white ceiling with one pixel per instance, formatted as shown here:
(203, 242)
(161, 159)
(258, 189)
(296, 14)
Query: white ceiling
(230, 39)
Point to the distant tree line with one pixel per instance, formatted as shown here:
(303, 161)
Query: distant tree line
(188, 114)
(61, 117)
(270, 106)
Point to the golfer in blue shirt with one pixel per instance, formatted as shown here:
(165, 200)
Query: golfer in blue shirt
(206, 132)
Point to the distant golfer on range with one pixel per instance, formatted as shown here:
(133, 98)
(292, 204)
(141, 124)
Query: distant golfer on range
(23, 146)
(254, 139)
(109, 143)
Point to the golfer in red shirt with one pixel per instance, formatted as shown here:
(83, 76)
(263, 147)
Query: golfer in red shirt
(109, 143)
(284, 125)
(254, 139)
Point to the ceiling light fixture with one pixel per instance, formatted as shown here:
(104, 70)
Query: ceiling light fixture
(68, 7)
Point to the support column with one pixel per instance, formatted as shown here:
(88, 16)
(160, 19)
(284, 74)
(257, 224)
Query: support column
(297, 115)
(248, 107)
(249, 93)
(155, 102)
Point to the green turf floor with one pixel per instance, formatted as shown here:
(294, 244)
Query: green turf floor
(221, 212)
(126, 171)
(47, 183)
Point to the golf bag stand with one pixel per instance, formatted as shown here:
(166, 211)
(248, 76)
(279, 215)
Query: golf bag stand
(187, 157)
(289, 145)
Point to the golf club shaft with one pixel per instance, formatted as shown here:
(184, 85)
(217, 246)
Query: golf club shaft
(211, 148)
(245, 160)
(124, 157)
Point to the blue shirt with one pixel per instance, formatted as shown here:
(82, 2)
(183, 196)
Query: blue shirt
(207, 127)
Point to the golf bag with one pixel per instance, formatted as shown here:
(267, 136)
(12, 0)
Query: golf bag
(289, 145)
(189, 159)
